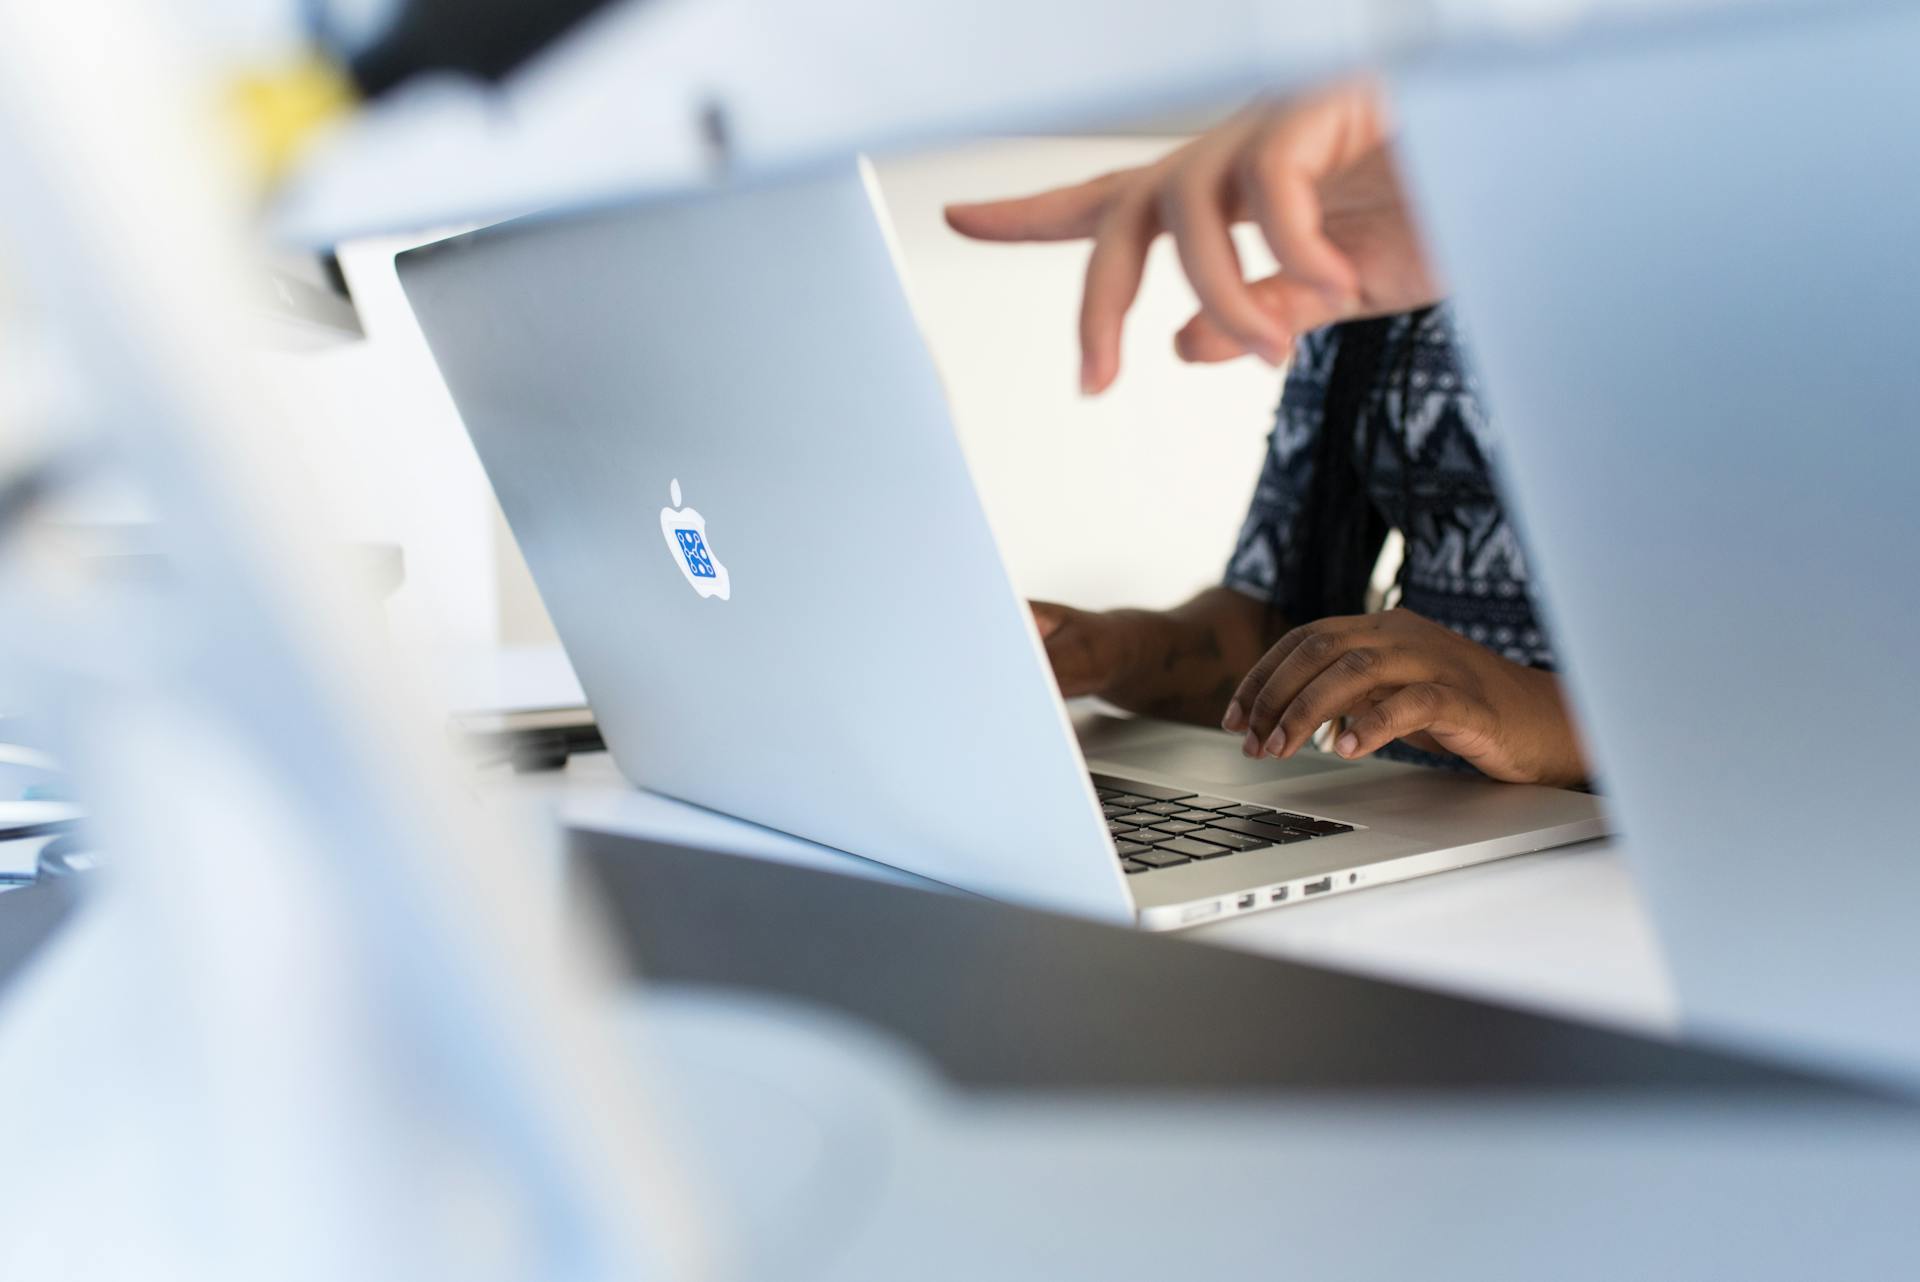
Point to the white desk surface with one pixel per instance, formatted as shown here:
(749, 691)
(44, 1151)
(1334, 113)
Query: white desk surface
(1562, 931)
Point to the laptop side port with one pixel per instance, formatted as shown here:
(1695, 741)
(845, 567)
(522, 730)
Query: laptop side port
(1279, 895)
(1247, 901)
(1320, 887)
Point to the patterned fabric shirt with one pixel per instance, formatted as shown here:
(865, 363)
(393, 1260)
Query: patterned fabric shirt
(1430, 478)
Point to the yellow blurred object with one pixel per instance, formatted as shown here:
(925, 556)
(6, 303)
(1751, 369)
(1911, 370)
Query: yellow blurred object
(280, 112)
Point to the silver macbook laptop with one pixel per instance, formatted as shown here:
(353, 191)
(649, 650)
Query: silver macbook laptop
(723, 446)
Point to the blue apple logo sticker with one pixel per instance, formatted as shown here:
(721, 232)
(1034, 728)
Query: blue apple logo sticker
(686, 533)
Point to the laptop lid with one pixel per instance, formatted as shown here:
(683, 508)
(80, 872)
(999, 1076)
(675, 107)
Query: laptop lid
(1688, 270)
(720, 440)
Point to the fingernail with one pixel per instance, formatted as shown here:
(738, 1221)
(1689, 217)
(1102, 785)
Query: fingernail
(1277, 746)
(1252, 744)
(1236, 718)
(1088, 383)
(1347, 744)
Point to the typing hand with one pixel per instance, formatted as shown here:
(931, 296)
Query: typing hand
(1399, 676)
(1315, 173)
(1088, 651)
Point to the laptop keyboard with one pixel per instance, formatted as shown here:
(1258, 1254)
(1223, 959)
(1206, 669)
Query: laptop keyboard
(1156, 827)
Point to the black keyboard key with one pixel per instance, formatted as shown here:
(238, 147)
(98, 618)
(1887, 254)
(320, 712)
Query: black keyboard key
(1233, 840)
(1248, 812)
(1132, 866)
(1174, 827)
(1120, 830)
(1128, 786)
(1112, 811)
(1141, 818)
(1245, 826)
(1168, 808)
(1190, 848)
(1109, 794)
(1290, 819)
(1128, 849)
(1165, 858)
(1321, 827)
(1197, 816)
(1271, 833)
(1210, 803)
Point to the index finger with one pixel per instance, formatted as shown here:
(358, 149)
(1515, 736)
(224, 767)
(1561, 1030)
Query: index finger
(1065, 213)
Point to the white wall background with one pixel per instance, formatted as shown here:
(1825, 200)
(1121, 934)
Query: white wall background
(394, 463)
(1133, 498)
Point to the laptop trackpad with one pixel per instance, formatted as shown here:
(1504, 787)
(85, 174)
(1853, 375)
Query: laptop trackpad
(1207, 758)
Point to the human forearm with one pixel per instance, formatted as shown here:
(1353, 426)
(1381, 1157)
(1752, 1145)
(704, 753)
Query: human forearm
(1184, 664)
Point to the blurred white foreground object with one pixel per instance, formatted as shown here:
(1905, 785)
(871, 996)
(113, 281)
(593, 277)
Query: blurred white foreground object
(1687, 268)
(330, 1039)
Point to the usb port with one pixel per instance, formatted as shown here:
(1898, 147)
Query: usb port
(1279, 896)
(1320, 887)
(1247, 901)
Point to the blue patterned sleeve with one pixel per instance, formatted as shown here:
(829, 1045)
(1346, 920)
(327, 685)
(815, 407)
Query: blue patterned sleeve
(1266, 558)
